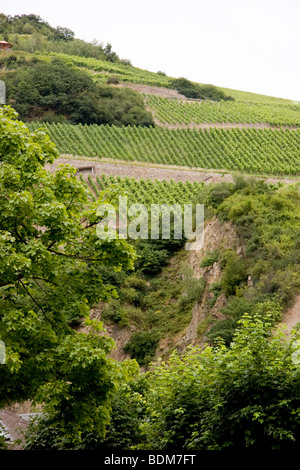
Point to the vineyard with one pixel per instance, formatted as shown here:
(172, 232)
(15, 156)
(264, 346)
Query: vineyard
(143, 191)
(246, 112)
(101, 70)
(257, 151)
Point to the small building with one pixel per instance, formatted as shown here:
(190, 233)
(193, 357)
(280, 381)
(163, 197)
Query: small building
(89, 169)
(12, 428)
(5, 46)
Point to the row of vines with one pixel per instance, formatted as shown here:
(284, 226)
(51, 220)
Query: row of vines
(172, 111)
(103, 69)
(144, 191)
(268, 151)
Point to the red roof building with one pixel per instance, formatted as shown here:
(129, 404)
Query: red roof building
(12, 428)
(5, 46)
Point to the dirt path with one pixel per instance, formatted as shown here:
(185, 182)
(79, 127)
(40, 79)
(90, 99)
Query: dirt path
(174, 94)
(138, 171)
(218, 125)
(292, 316)
(160, 172)
(155, 90)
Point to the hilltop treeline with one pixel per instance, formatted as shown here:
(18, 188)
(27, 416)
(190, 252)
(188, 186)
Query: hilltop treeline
(31, 33)
(55, 92)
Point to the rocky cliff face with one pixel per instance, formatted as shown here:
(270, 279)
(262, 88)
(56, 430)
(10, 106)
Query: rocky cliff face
(217, 236)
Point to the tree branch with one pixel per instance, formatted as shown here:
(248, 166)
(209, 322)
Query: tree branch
(37, 304)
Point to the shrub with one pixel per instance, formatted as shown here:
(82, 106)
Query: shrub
(116, 313)
(56, 89)
(113, 81)
(244, 397)
(150, 260)
(210, 259)
(234, 274)
(193, 293)
(195, 91)
(142, 346)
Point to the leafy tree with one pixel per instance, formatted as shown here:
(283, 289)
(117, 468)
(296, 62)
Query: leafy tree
(110, 55)
(49, 274)
(37, 90)
(64, 34)
(123, 432)
(243, 397)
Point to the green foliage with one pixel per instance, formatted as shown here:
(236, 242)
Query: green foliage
(113, 81)
(233, 312)
(268, 220)
(116, 313)
(217, 194)
(245, 397)
(57, 92)
(234, 274)
(150, 259)
(244, 110)
(109, 54)
(123, 431)
(154, 254)
(142, 346)
(267, 268)
(195, 91)
(193, 289)
(211, 92)
(210, 259)
(186, 88)
(49, 260)
(253, 151)
(160, 305)
(31, 33)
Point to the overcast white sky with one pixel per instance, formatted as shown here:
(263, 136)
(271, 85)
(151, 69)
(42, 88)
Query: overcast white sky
(250, 45)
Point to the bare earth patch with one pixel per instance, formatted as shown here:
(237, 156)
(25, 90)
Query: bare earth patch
(140, 170)
(292, 316)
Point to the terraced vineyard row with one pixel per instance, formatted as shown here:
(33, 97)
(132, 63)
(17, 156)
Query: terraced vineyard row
(144, 191)
(101, 70)
(186, 112)
(126, 73)
(104, 69)
(250, 150)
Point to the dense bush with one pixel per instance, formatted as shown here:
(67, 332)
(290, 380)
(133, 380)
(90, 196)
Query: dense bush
(57, 92)
(113, 81)
(210, 259)
(195, 91)
(244, 397)
(150, 259)
(123, 430)
(142, 346)
(234, 273)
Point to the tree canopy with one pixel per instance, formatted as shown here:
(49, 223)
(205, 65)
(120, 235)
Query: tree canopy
(50, 275)
(55, 92)
(243, 397)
